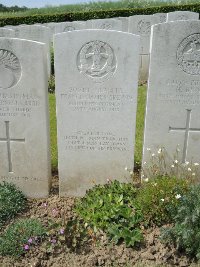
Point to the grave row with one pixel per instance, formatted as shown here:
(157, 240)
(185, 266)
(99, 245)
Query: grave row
(138, 24)
(96, 75)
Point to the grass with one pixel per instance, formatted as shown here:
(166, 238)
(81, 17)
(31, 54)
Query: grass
(53, 132)
(140, 124)
(139, 128)
(108, 5)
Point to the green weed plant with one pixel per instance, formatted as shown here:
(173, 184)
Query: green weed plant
(20, 236)
(159, 198)
(111, 208)
(12, 202)
(185, 233)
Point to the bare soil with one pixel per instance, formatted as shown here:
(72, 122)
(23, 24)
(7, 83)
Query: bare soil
(151, 253)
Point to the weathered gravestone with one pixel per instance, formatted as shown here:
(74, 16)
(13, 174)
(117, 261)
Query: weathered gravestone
(24, 124)
(105, 24)
(7, 33)
(96, 95)
(141, 25)
(173, 102)
(51, 26)
(69, 26)
(124, 21)
(182, 15)
(36, 33)
(162, 17)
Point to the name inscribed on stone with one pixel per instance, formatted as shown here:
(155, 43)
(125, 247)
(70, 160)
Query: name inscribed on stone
(96, 99)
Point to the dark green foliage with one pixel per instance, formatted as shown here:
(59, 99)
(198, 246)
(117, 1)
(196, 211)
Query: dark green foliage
(12, 202)
(12, 8)
(111, 208)
(52, 61)
(186, 231)
(51, 84)
(78, 235)
(158, 198)
(86, 15)
(13, 241)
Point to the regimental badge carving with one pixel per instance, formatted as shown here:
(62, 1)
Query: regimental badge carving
(10, 69)
(106, 26)
(144, 27)
(188, 54)
(69, 29)
(97, 61)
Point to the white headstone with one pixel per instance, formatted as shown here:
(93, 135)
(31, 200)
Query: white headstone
(24, 123)
(51, 26)
(7, 33)
(162, 17)
(105, 24)
(124, 21)
(182, 15)
(173, 102)
(69, 26)
(141, 25)
(96, 95)
(36, 33)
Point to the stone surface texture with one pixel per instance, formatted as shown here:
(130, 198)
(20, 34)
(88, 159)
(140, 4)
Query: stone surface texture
(105, 24)
(182, 15)
(7, 33)
(36, 33)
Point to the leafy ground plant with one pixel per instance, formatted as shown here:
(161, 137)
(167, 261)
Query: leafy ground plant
(12, 202)
(159, 198)
(20, 236)
(186, 231)
(111, 208)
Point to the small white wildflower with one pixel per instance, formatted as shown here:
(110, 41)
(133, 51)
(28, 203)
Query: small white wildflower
(146, 179)
(178, 196)
(172, 165)
(187, 162)
(196, 164)
(153, 155)
(148, 149)
(176, 161)
(162, 199)
(193, 174)
(189, 169)
(145, 163)
(154, 184)
(131, 172)
(126, 168)
(142, 175)
(159, 150)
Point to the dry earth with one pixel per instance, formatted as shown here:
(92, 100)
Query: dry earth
(151, 253)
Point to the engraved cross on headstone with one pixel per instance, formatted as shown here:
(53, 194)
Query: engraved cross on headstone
(7, 139)
(187, 129)
(96, 55)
